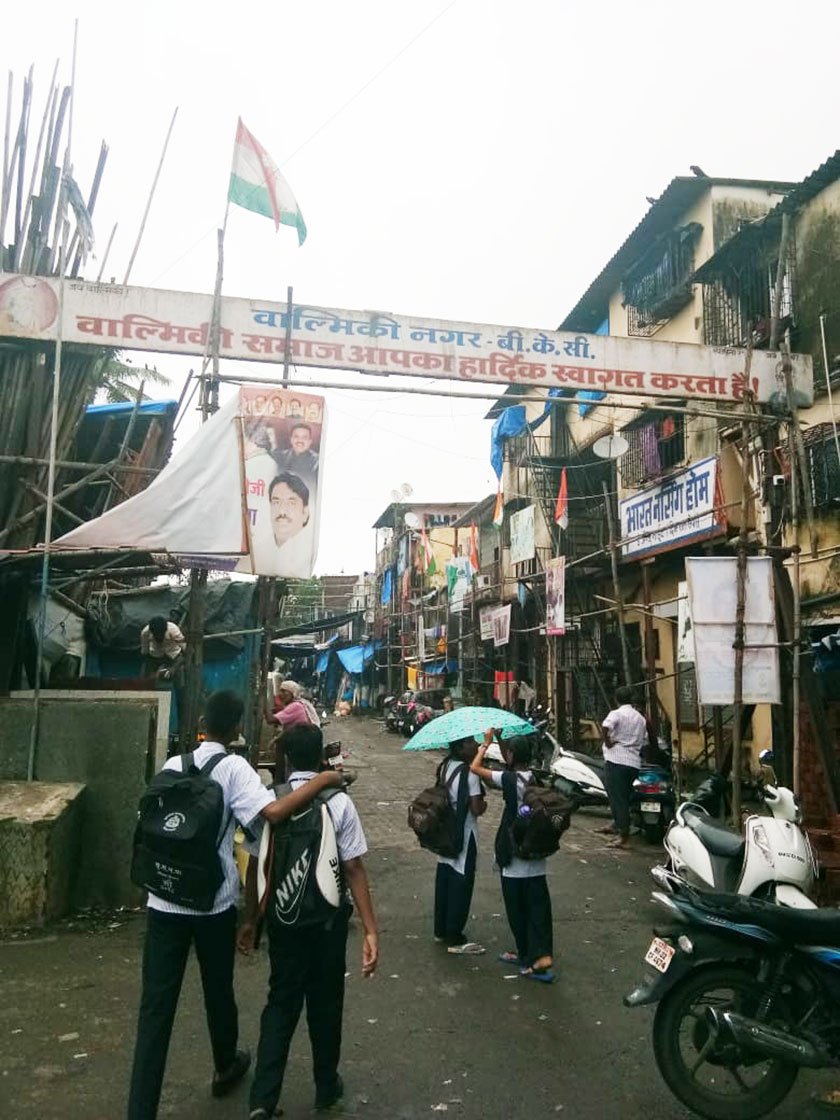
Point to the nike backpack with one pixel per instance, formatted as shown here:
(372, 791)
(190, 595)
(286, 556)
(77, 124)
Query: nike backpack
(180, 824)
(299, 876)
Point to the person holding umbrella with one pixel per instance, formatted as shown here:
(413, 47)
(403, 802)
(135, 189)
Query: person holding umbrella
(455, 877)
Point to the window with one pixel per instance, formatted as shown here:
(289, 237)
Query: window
(823, 467)
(658, 285)
(657, 445)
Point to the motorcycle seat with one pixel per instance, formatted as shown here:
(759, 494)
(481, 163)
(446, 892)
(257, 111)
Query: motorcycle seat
(716, 837)
(802, 927)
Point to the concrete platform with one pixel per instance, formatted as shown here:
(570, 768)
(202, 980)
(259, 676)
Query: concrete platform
(40, 828)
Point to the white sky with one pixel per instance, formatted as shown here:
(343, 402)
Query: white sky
(474, 160)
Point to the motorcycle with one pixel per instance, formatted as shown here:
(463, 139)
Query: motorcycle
(395, 710)
(748, 994)
(579, 776)
(773, 860)
(652, 802)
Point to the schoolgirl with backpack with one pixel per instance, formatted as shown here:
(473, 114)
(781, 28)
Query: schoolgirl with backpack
(445, 820)
(533, 820)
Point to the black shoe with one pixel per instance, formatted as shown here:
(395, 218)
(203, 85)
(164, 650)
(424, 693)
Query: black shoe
(326, 1098)
(225, 1081)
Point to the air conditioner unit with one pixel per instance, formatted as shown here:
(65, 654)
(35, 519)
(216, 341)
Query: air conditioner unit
(482, 583)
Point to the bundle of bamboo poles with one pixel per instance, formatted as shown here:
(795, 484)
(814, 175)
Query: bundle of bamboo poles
(40, 234)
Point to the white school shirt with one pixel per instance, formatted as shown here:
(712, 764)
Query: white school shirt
(628, 731)
(349, 834)
(245, 798)
(520, 868)
(471, 822)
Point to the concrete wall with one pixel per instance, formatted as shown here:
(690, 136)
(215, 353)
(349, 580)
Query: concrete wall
(106, 744)
(40, 830)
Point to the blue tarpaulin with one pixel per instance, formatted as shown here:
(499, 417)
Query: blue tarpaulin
(153, 408)
(437, 668)
(322, 662)
(593, 394)
(354, 658)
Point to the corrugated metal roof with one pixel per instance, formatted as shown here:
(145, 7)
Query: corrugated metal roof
(681, 193)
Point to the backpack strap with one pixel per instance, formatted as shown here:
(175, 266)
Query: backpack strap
(211, 763)
(188, 762)
(510, 792)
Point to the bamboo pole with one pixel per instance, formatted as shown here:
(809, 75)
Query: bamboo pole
(19, 247)
(74, 465)
(107, 253)
(613, 548)
(142, 229)
(6, 190)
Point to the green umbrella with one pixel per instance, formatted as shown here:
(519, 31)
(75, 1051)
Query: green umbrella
(443, 730)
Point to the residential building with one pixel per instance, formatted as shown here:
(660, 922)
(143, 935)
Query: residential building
(411, 616)
(701, 267)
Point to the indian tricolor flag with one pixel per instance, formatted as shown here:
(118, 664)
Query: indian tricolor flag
(256, 184)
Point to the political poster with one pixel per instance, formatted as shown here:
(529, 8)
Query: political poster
(555, 597)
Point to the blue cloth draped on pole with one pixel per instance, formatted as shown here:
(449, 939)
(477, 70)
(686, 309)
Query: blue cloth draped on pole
(322, 662)
(511, 423)
(387, 586)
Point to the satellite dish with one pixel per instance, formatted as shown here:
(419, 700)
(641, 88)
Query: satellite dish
(406, 489)
(396, 496)
(611, 447)
(412, 520)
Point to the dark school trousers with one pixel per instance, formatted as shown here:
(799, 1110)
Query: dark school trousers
(307, 964)
(528, 909)
(619, 782)
(453, 897)
(168, 941)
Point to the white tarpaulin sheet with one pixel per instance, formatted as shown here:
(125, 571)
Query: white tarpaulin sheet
(244, 494)
(712, 595)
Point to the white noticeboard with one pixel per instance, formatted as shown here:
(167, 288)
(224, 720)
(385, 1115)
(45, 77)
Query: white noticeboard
(712, 593)
(522, 536)
(685, 627)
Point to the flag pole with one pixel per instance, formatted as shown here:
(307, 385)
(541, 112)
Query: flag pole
(197, 609)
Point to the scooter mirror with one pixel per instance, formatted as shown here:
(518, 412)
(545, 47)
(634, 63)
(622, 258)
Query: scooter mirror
(767, 758)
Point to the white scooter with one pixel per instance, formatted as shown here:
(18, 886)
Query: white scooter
(773, 860)
(579, 776)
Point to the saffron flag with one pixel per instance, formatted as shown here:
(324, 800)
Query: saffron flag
(257, 184)
(428, 558)
(474, 548)
(499, 509)
(561, 509)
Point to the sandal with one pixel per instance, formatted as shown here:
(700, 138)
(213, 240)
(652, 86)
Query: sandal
(510, 957)
(543, 975)
(827, 1104)
(469, 948)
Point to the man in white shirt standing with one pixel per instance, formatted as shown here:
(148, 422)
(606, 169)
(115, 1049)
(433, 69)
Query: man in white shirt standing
(162, 648)
(172, 929)
(625, 734)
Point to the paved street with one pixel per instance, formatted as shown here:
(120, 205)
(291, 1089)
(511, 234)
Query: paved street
(431, 1034)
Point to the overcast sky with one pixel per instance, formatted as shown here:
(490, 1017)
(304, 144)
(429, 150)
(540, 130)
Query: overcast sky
(474, 160)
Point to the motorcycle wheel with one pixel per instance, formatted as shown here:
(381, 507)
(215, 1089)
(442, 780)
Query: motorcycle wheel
(725, 1084)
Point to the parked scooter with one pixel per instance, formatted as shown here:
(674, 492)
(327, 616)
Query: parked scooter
(652, 802)
(580, 777)
(772, 860)
(748, 994)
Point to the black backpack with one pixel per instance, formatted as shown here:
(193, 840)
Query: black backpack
(300, 867)
(532, 830)
(181, 823)
(433, 819)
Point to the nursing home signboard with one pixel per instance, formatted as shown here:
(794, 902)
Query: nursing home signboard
(678, 511)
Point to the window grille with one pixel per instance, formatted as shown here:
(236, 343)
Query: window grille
(823, 467)
(658, 286)
(656, 446)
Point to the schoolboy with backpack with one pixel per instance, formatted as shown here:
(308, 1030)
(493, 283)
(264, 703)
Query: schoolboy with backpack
(297, 887)
(445, 820)
(183, 856)
(533, 820)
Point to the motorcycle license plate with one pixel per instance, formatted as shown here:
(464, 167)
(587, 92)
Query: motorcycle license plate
(659, 954)
(650, 807)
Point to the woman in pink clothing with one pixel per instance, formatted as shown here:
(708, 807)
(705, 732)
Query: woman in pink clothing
(293, 709)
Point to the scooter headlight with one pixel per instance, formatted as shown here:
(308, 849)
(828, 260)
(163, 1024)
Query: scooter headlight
(762, 843)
